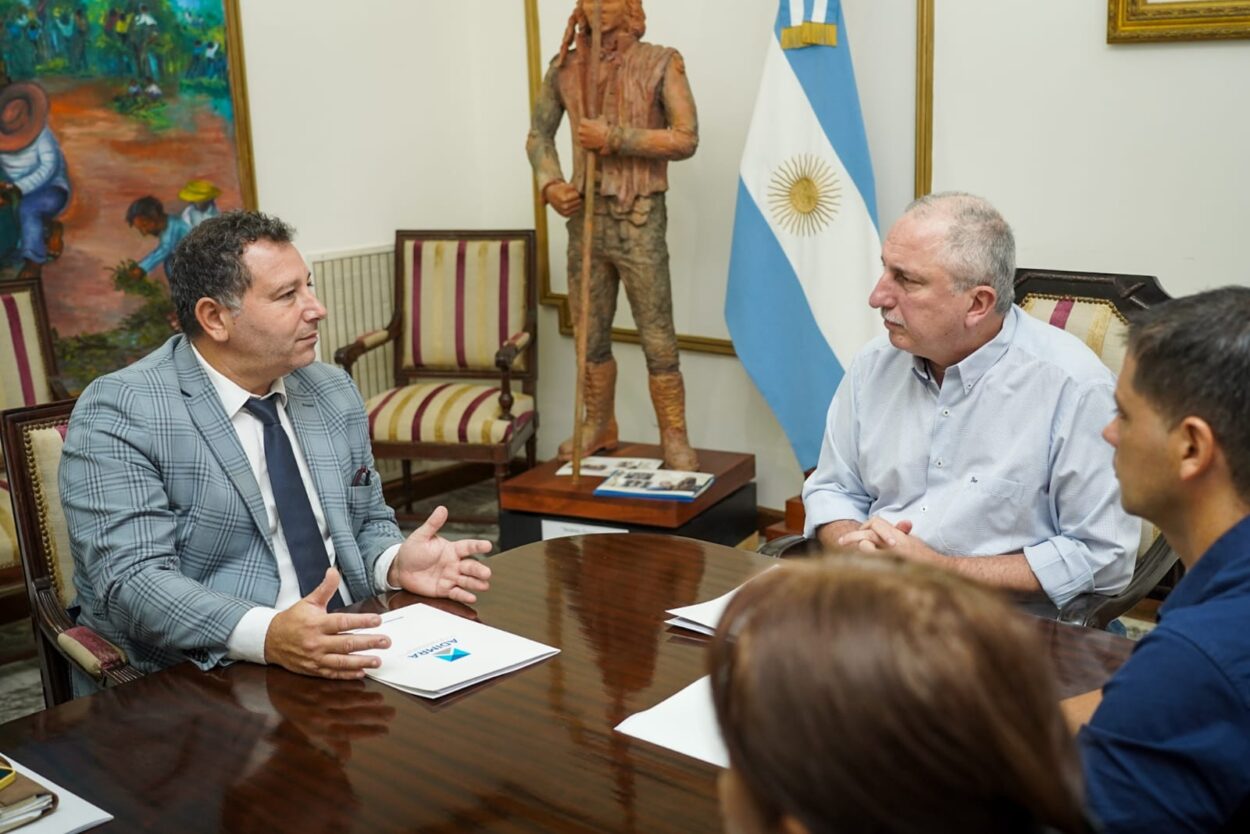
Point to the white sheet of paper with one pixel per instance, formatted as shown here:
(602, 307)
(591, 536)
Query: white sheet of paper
(686, 723)
(703, 617)
(72, 814)
(559, 529)
(434, 653)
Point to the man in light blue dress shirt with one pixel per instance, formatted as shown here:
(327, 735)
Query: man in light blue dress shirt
(971, 429)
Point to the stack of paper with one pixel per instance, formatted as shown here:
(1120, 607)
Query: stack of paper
(702, 617)
(434, 653)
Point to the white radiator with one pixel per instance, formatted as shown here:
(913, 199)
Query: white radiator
(358, 289)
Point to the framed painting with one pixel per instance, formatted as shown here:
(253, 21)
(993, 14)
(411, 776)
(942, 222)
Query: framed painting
(703, 188)
(123, 124)
(1152, 21)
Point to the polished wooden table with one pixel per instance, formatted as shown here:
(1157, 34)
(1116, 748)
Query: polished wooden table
(250, 748)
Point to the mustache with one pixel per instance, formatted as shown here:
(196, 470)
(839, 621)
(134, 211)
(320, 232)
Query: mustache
(891, 319)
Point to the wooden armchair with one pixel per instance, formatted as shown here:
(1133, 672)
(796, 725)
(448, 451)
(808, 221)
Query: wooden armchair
(1094, 307)
(27, 377)
(465, 331)
(33, 438)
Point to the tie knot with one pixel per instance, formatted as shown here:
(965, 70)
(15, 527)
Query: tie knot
(265, 410)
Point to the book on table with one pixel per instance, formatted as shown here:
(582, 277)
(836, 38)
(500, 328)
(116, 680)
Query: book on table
(433, 653)
(661, 484)
(29, 799)
(602, 467)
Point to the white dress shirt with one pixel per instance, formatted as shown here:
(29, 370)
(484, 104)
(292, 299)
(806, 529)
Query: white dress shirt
(247, 641)
(1006, 455)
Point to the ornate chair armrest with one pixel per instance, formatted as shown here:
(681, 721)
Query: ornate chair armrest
(347, 355)
(96, 656)
(789, 547)
(1096, 610)
(51, 618)
(505, 358)
(91, 652)
(508, 352)
(80, 645)
(1090, 610)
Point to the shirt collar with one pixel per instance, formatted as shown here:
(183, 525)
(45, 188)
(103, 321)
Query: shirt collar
(973, 367)
(1225, 566)
(231, 394)
(920, 367)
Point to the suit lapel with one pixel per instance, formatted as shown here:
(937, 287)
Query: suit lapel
(206, 412)
(323, 462)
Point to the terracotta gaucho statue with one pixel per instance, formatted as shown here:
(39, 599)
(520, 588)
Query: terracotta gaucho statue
(648, 117)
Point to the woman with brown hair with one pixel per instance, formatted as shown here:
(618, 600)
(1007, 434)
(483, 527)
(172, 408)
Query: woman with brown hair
(871, 695)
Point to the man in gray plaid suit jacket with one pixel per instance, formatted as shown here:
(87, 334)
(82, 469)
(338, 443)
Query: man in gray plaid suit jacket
(178, 540)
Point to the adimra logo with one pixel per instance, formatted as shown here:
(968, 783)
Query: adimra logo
(443, 650)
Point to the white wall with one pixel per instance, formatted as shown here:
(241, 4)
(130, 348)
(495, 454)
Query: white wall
(1124, 158)
(411, 113)
(388, 114)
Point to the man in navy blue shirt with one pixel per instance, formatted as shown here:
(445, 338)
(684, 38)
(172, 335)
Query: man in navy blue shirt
(1168, 748)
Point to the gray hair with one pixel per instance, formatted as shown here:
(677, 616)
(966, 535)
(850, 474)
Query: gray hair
(979, 249)
(208, 262)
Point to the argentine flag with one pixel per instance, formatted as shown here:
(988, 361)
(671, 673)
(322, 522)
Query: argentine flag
(806, 251)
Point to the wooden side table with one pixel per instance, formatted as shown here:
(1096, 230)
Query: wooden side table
(538, 501)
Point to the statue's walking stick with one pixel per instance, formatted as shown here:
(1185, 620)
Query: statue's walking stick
(591, 110)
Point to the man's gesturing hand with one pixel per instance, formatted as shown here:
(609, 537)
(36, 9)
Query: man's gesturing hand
(430, 565)
(305, 639)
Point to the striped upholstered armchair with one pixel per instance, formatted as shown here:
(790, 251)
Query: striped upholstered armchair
(27, 377)
(465, 333)
(33, 438)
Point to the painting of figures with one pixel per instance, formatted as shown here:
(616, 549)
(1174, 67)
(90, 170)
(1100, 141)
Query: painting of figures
(122, 126)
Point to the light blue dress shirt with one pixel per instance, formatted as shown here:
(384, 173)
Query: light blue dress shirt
(1006, 455)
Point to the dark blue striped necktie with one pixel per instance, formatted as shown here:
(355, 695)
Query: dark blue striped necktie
(299, 525)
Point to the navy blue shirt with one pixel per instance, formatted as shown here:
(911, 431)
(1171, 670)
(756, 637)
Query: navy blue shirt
(1168, 749)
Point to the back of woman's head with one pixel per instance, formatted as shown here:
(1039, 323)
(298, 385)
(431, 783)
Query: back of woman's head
(871, 695)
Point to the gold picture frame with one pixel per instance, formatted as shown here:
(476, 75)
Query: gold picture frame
(237, 68)
(706, 344)
(1143, 21)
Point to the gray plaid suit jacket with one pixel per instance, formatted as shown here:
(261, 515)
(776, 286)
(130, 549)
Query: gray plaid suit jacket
(166, 521)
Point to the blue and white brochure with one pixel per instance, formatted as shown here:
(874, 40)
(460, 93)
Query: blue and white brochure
(434, 653)
(662, 484)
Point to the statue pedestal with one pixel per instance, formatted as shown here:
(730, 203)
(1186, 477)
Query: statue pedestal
(537, 504)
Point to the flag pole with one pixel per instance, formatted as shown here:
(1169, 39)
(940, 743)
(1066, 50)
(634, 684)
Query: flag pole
(588, 228)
